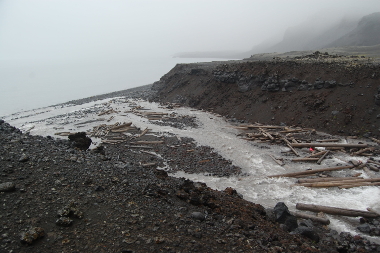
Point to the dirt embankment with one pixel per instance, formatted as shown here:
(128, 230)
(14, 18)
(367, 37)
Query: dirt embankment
(336, 94)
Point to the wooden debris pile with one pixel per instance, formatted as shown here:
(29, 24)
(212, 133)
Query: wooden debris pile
(317, 151)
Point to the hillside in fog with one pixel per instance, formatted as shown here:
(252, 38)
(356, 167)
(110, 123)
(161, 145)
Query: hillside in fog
(313, 34)
(366, 33)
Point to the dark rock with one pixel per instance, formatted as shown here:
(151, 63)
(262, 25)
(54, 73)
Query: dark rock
(24, 158)
(307, 232)
(197, 72)
(99, 188)
(303, 87)
(7, 187)
(291, 223)
(80, 140)
(99, 150)
(281, 212)
(365, 228)
(319, 84)
(70, 210)
(269, 214)
(377, 99)
(198, 216)
(330, 84)
(64, 222)
(273, 87)
(127, 251)
(160, 173)
(1, 121)
(32, 235)
(244, 87)
(283, 216)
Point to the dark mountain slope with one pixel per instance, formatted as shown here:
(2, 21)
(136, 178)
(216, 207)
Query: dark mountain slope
(367, 33)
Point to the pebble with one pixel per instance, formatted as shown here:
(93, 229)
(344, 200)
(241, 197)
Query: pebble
(64, 222)
(198, 216)
(24, 158)
(7, 187)
(32, 235)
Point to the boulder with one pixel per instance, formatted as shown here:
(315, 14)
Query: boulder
(80, 140)
(307, 232)
(283, 216)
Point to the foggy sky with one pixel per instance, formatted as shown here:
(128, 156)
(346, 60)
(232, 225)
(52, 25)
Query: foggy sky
(84, 29)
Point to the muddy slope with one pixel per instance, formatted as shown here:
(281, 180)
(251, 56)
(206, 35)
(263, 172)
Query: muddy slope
(337, 94)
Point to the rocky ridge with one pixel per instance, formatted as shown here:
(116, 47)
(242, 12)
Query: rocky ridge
(332, 93)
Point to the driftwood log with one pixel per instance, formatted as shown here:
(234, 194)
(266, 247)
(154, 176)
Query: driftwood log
(308, 172)
(147, 142)
(358, 185)
(326, 179)
(323, 157)
(336, 211)
(313, 144)
(321, 220)
(305, 159)
(279, 162)
(338, 183)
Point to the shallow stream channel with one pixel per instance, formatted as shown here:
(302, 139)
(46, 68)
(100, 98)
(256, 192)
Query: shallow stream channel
(254, 158)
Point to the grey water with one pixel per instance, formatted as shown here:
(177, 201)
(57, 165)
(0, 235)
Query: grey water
(26, 85)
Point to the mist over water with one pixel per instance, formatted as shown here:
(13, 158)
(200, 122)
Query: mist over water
(29, 85)
(54, 51)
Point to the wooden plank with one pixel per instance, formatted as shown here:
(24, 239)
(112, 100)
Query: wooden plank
(358, 185)
(146, 147)
(338, 183)
(308, 172)
(147, 142)
(372, 167)
(313, 144)
(372, 161)
(375, 140)
(326, 179)
(362, 151)
(321, 220)
(305, 159)
(317, 154)
(267, 126)
(336, 211)
(324, 155)
(289, 145)
(143, 132)
(328, 140)
(279, 162)
(121, 126)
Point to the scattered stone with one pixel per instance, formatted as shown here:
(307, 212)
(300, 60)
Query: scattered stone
(70, 210)
(198, 216)
(24, 158)
(7, 187)
(365, 228)
(80, 140)
(283, 216)
(307, 232)
(32, 235)
(64, 221)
